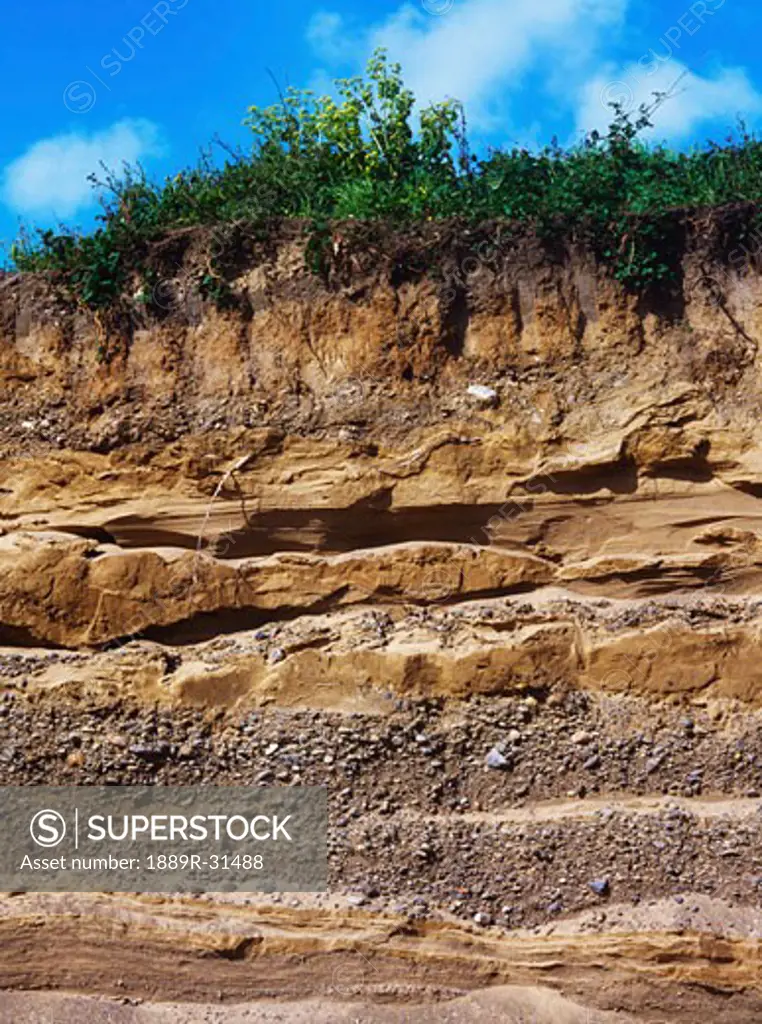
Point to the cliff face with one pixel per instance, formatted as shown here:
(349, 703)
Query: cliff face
(320, 449)
(308, 337)
(456, 500)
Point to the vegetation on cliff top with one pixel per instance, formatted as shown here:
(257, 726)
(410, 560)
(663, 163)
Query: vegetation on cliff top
(361, 157)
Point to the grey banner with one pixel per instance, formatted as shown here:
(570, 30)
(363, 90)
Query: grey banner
(163, 839)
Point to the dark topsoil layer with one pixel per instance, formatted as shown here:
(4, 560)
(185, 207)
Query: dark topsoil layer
(353, 254)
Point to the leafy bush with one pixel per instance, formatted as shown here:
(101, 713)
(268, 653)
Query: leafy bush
(360, 156)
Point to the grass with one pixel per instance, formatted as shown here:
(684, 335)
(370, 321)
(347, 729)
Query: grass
(362, 157)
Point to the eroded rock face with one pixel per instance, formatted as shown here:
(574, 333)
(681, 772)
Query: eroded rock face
(370, 532)
(318, 460)
(305, 529)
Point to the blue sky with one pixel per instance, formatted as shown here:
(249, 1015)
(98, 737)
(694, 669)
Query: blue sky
(154, 81)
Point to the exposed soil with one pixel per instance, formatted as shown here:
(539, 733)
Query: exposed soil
(458, 529)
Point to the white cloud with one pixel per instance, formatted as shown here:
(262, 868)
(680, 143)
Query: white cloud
(688, 99)
(487, 43)
(329, 37)
(51, 177)
(490, 53)
(479, 50)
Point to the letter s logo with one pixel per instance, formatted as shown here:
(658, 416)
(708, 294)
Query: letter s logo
(47, 828)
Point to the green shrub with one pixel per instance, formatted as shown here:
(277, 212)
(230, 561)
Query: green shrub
(364, 155)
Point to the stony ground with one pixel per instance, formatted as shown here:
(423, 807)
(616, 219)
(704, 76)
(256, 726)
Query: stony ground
(511, 811)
